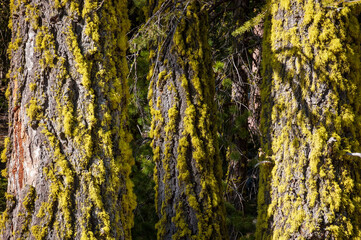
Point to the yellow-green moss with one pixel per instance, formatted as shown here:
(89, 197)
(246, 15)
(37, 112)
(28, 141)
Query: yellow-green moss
(82, 65)
(5, 150)
(4, 218)
(29, 205)
(33, 109)
(32, 86)
(29, 199)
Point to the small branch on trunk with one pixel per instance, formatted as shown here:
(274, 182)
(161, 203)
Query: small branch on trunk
(354, 154)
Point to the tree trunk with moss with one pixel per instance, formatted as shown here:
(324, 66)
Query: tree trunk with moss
(68, 154)
(309, 187)
(181, 94)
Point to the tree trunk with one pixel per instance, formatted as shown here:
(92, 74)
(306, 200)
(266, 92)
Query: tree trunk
(188, 170)
(68, 151)
(310, 120)
(254, 101)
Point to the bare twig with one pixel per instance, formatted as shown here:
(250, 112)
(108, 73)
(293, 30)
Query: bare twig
(262, 162)
(354, 154)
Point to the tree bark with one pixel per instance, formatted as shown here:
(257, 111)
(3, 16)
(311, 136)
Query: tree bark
(254, 101)
(68, 150)
(181, 94)
(310, 119)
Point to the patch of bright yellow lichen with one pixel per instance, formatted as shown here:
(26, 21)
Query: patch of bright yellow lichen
(33, 109)
(28, 204)
(82, 65)
(5, 150)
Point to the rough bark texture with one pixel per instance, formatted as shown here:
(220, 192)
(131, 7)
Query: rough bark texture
(188, 170)
(310, 119)
(254, 101)
(68, 148)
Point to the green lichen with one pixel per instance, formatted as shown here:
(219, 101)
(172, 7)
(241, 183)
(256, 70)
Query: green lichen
(82, 65)
(5, 150)
(32, 86)
(44, 42)
(34, 109)
(68, 119)
(29, 205)
(4, 218)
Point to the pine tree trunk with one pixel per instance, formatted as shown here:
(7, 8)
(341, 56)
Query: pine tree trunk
(310, 120)
(68, 150)
(188, 170)
(254, 101)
